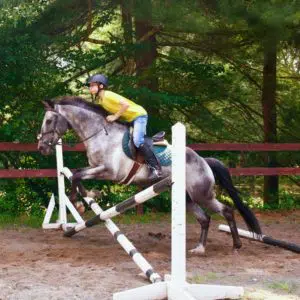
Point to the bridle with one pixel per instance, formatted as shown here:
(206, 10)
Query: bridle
(52, 144)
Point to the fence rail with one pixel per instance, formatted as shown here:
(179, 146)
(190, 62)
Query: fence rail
(245, 147)
(251, 171)
(20, 147)
(7, 146)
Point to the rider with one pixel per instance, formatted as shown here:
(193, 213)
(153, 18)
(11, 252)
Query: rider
(127, 111)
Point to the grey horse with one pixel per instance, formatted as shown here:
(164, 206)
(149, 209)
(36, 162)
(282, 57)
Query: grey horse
(107, 161)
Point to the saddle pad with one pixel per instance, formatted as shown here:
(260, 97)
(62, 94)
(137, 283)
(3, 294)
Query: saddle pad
(163, 153)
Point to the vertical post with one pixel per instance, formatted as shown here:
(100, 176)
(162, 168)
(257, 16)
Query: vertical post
(178, 266)
(61, 183)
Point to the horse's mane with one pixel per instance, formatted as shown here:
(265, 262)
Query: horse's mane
(80, 102)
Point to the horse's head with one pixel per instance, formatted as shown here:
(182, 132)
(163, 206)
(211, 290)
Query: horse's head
(53, 127)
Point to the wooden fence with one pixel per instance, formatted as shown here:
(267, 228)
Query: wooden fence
(251, 171)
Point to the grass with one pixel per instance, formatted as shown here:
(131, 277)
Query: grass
(277, 290)
(283, 286)
(199, 279)
(9, 221)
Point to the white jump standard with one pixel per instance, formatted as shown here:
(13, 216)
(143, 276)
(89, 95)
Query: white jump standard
(177, 288)
(64, 202)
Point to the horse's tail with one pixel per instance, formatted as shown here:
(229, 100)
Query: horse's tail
(223, 176)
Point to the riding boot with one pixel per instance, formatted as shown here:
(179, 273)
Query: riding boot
(151, 160)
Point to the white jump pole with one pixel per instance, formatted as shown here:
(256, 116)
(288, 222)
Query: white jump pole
(177, 288)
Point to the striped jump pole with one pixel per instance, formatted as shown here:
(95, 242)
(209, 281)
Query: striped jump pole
(263, 239)
(136, 256)
(131, 202)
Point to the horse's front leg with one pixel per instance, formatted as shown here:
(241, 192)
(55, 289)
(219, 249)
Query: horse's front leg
(86, 173)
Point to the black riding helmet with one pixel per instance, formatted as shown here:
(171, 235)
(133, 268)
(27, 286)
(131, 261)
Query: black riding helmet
(98, 78)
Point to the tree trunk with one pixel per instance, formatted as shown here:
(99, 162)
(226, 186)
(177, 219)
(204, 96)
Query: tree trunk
(126, 7)
(146, 51)
(270, 118)
(126, 12)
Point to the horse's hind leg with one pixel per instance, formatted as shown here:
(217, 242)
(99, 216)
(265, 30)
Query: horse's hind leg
(204, 221)
(228, 214)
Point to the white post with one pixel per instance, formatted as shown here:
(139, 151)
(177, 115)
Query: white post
(61, 183)
(178, 266)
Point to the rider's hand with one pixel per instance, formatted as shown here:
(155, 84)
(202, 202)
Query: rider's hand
(111, 118)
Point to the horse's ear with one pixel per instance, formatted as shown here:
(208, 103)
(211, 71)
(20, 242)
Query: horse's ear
(48, 104)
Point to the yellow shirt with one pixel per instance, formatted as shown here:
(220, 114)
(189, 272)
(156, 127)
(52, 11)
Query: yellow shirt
(111, 103)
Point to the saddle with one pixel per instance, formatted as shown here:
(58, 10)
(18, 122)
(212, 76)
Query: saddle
(156, 140)
(158, 145)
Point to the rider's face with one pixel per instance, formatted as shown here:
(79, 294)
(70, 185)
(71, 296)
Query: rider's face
(93, 88)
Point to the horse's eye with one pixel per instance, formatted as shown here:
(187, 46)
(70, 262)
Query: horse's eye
(39, 136)
(48, 122)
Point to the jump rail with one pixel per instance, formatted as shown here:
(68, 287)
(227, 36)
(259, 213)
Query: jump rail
(120, 208)
(263, 239)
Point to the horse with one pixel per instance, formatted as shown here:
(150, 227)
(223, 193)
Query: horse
(107, 161)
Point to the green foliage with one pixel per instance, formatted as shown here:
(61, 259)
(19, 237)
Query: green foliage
(11, 221)
(25, 196)
(287, 201)
(208, 69)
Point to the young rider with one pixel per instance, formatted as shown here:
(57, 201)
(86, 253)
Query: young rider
(126, 110)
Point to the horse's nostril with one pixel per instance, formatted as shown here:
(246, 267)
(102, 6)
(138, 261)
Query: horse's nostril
(40, 148)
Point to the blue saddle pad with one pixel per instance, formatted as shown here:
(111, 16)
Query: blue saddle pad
(163, 153)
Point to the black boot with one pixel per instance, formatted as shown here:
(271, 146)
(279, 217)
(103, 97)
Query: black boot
(152, 162)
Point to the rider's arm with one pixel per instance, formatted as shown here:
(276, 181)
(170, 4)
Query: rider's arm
(124, 107)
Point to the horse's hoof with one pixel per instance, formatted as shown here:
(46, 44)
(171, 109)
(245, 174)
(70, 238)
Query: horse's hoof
(80, 207)
(200, 250)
